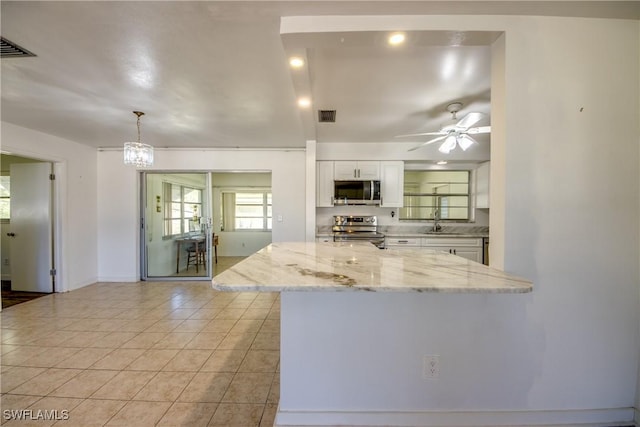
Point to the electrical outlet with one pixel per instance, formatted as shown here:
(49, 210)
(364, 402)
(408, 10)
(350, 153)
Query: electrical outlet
(431, 366)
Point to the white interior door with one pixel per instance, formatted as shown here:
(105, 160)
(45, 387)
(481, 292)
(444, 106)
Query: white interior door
(31, 228)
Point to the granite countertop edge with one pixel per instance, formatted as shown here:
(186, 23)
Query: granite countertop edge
(362, 288)
(359, 266)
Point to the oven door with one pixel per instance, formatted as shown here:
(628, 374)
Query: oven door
(374, 238)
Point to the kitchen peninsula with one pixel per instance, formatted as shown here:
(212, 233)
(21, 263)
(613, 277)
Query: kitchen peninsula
(358, 323)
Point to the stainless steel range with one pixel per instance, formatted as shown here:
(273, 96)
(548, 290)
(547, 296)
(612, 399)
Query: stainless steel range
(357, 228)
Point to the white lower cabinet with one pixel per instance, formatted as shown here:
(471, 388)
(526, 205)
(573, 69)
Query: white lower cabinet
(469, 253)
(395, 242)
(469, 248)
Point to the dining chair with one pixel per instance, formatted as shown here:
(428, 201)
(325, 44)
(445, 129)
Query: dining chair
(199, 256)
(196, 255)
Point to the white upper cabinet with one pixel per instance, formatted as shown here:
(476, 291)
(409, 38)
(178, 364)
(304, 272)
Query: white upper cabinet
(324, 184)
(354, 170)
(482, 185)
(392, 184)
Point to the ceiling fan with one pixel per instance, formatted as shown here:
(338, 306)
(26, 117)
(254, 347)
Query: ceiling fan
(457, 134)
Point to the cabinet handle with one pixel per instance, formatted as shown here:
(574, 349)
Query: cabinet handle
(403, 241)
(454, 252)
(355, 175)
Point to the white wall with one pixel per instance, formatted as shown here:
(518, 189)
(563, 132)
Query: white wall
(75, 187)
(571, 206)
(118, 204)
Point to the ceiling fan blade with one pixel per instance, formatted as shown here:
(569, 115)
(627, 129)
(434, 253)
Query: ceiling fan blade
(431, 141)
(465, 141)
(421, 134)
(469, 120)
(479, 129)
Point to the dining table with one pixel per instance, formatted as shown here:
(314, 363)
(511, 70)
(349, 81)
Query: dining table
(197, 240)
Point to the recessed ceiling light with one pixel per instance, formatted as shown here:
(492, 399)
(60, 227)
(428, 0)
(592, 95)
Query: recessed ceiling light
(396, 39)
(304, 102)
(441, 162)
(296, 62)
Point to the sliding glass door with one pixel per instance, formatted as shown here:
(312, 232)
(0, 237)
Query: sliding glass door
(176, 226)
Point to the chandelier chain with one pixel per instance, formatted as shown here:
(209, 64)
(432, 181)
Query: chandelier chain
(139, 114)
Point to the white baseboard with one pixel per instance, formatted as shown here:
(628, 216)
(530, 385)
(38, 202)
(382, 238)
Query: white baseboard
(123, 279)
(587, 417)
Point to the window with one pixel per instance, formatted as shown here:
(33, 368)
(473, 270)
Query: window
(182, 209)
(5, 197)
(246, 210)
(427, 193)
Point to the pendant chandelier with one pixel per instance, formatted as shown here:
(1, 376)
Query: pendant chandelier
(137, 153)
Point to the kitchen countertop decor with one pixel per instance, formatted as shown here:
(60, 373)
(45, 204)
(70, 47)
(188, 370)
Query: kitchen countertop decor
(336, 266)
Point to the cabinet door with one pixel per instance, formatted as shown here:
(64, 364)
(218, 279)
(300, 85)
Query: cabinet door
(392, 184)
(345, 171)
(473, 254)
(399, 242)
(324, 184)
(368, 170)
(451, 242)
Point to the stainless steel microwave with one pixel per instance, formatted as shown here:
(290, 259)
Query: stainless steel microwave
(356, 193)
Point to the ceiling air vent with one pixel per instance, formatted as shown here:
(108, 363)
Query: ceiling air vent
(327, 116)
(12, 50)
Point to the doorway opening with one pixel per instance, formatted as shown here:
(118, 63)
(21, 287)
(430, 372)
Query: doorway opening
(26, 228)
(197, 224)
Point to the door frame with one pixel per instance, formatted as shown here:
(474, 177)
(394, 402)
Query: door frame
(58, 205)
(144, 274)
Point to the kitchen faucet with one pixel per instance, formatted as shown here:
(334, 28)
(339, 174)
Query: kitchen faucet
(436, 218)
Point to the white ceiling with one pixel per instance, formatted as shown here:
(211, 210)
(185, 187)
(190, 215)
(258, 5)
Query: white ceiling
(215, 74)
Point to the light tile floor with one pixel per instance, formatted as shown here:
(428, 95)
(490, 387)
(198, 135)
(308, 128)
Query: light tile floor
(143, 354)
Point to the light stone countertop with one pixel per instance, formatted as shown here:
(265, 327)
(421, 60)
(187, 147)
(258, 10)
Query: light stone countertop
(360, 266)
(420, 231)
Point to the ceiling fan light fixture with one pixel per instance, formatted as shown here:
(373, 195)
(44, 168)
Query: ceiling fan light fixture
(464, 142)
(448, 145)
(136, 153)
